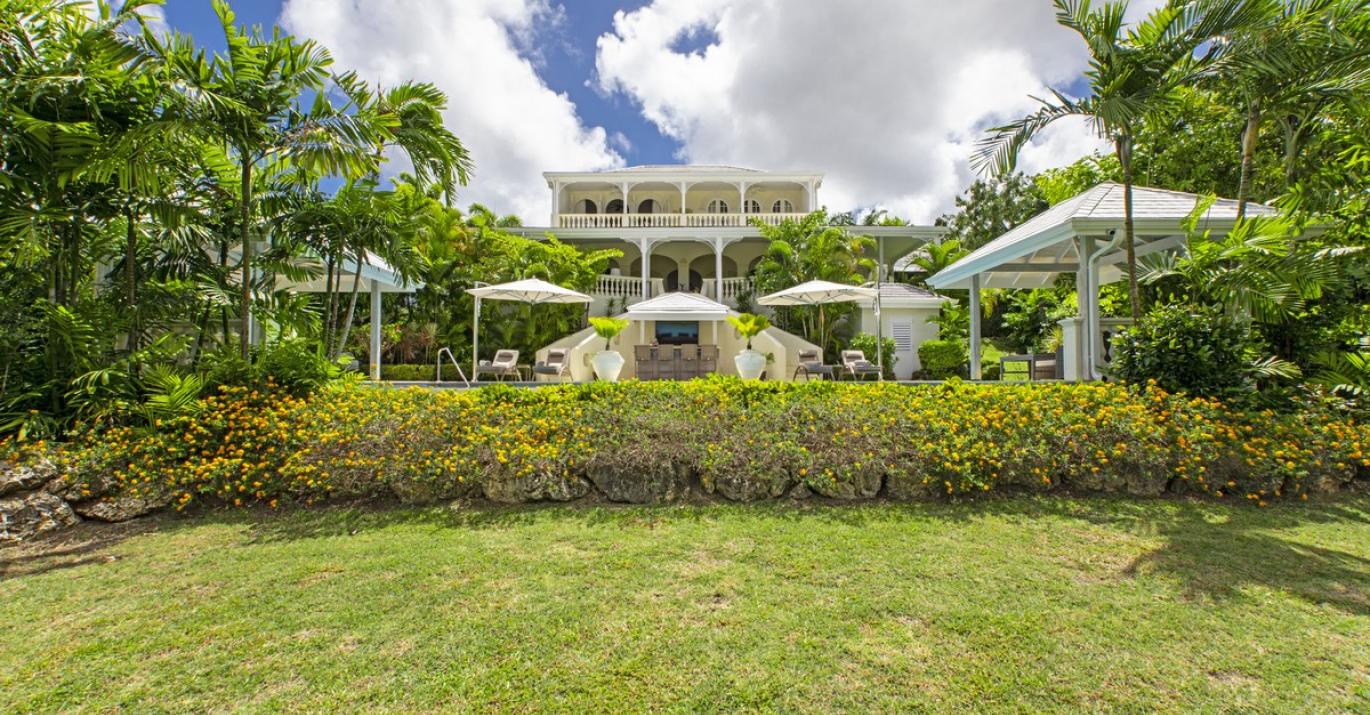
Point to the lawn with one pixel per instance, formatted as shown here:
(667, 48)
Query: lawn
(1023, 604)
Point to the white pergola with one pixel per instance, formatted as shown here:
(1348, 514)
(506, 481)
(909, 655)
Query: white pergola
(1084, 236)
(378, 278)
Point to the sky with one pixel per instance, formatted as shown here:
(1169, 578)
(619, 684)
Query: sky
(885, 97)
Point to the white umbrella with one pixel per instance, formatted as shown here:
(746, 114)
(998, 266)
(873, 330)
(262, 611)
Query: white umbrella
(533, 291)
(821, 292)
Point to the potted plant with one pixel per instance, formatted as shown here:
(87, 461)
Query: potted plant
(607, 363)
(750, 363)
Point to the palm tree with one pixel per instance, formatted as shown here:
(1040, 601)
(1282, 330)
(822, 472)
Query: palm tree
(1292, 58)
(250, 97)
(1132, 74)
(935, 257)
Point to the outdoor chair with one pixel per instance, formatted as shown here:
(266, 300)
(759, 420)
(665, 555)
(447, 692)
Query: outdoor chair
(689, 362)
(811, 364)
(505, 364)
(855, 364)
(556, 365)
(644, 362)
(666, 362)
(1044, 366)
(708, 359)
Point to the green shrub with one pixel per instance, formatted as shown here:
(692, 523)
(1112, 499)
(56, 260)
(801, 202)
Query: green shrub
(1194, 350)
(942, 359)
(296, 365)
(411, 373)
(663, 441)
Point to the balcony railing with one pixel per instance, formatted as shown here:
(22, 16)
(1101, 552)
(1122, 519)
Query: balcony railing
(670, 220)
(631, 287)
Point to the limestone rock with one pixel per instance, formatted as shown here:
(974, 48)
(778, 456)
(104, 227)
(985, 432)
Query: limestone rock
(539, 486)
(117, 509)
(33, 514)
(15, 478)
(649, 484)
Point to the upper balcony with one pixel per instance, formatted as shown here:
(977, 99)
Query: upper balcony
(685, 196)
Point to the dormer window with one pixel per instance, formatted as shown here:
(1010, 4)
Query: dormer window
(718, 206)
(783, 206)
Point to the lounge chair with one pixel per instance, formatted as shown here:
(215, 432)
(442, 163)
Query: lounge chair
(1044, 366)
(505, 364)
(666, 362)
(811, 364)
(854, 363)
(689, 362)
(556, 365)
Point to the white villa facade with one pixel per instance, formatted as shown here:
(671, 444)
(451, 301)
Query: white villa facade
(689, 229)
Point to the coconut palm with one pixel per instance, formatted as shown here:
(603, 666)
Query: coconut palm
(1133, 71)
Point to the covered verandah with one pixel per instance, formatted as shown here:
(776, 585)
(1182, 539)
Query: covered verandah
(1083, 237)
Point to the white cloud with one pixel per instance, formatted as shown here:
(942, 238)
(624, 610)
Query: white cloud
(478, 52)
(888, 97)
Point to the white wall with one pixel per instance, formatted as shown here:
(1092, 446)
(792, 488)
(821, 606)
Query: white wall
(906, 363)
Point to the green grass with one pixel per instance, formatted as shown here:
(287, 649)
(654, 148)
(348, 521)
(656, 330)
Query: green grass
(1023, 604)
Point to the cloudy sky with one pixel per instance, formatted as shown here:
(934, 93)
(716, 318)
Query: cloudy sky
(887, 97)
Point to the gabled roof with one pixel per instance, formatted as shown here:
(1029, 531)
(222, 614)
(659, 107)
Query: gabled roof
(904, 295)
(678, 306)
(1096, 210)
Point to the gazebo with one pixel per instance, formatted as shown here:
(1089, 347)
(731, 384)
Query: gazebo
(1082, 236)
(378, 278)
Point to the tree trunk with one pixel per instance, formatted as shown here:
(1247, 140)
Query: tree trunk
(244, 236)
(1293, 132)
(1123, 145)
(328, 320)
(131, 278)
(351, 309)
(1249, 139)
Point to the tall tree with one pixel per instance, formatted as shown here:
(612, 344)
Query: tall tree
(1133, 71)
(990, 208)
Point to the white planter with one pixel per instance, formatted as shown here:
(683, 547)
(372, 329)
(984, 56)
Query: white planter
(608, 364)
(750, 364)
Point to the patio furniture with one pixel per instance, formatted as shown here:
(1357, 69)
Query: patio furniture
(1007, 360)
(1044, 366)
(854, 363)
(1037, 366)
(557, 365)
(689, 362)
(810, 364)
(644, 362)
(665, 363)
(504, 365)
(708, 359)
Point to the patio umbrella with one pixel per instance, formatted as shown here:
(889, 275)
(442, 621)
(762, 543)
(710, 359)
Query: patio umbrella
(533, 291)
(821, 292)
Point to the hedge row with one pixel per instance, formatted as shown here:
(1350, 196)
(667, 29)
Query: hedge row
(663, 441)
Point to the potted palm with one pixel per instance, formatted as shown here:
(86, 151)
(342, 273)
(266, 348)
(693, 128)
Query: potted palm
(750, 363)
(607, 363)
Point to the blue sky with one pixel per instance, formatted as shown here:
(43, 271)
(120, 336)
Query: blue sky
(569, 63)
(887, 98)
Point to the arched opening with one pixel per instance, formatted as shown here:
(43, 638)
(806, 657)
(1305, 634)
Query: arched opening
(718, 206)
(782, 206)
(615, 206)
(704, 265)
(753, 206)
(586, 206)
(673, 283)
(649, 206)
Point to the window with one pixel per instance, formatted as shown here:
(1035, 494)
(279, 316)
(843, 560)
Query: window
(614, 207)
(753, 206)
(783, 206)
(586, 206)
(718, 206)
(649, 206)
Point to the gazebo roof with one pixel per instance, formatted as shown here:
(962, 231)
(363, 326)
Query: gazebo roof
(1030, 255)
(678, 306)
(375, 268)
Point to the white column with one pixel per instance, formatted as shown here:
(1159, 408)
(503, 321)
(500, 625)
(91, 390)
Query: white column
(813, 198)
(684, 191)
(1087, 298)
(375, 330)
(718, 269)
(646, 247)
(627, 207)
(975, 327)
(556, 201)
(742, 193)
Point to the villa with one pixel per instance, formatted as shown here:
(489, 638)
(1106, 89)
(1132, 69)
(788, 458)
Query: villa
(689, 246)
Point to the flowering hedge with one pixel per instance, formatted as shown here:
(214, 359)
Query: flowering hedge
(655, 442)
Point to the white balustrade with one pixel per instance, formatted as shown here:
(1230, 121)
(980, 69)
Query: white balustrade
(671, 220)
